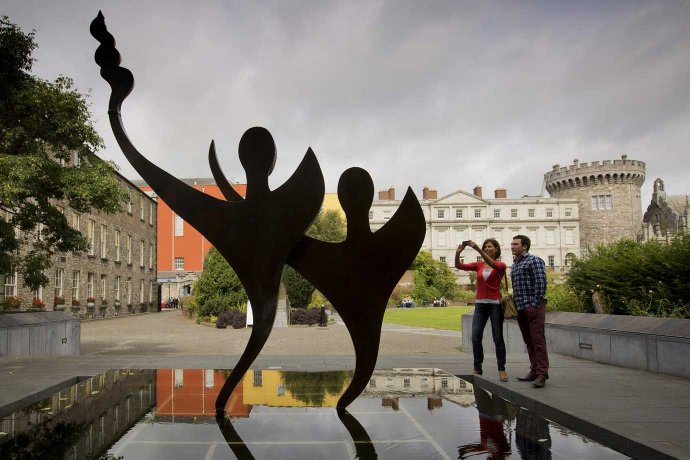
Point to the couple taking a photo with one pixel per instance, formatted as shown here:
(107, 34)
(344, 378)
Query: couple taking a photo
(528, 277)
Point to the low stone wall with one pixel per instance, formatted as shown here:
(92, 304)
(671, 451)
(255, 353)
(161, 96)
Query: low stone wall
(47, 333)
(659, 345)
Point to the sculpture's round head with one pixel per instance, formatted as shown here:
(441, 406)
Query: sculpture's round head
(355, 191)
(257, 151)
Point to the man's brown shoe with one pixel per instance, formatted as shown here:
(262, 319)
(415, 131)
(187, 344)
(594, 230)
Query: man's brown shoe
(528, 378)
(539, 382)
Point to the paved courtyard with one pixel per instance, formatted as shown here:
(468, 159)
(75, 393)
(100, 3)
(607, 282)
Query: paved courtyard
(169, 332)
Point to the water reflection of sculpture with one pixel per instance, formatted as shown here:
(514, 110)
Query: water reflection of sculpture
(257, 234)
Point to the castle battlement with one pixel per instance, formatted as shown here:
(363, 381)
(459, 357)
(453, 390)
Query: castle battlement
(597, 172)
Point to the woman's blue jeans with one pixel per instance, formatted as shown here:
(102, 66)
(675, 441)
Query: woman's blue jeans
(482, 313)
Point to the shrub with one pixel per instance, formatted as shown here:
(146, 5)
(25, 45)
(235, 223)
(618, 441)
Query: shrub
(218, 288)
(562, 297)
(75, 303)
(234, 318)
(59, 301)
(304, 316)
(90, 300)
(189, 306)
(11, 303)
(648, 279)
(38, 303)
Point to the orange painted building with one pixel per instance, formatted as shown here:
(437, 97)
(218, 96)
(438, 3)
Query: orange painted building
(193, 393)
(180, 246)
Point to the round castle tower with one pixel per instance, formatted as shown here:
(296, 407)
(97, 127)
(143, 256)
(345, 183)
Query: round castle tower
(609, 197)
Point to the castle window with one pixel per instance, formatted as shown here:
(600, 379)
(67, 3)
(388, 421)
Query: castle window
(602, 202)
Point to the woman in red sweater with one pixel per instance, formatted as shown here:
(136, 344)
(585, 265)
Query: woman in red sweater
(488, 305)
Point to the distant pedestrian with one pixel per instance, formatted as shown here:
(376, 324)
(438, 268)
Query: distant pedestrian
(488, 301)
(528, 274)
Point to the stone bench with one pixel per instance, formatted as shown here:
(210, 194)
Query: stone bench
(45, 333)
(659, 345)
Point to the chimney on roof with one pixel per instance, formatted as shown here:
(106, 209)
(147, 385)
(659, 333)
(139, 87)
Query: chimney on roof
(429, 193)
(477, 191)
(387, 194)
(500, 193)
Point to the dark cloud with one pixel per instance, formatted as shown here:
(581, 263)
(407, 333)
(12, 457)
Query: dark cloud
(447, 94)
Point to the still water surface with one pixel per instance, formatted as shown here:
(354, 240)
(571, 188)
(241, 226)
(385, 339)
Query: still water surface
(170, 414)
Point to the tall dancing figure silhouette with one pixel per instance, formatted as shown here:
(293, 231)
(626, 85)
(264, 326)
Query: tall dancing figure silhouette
(256, 234)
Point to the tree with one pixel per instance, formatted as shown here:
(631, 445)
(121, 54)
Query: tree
(47, 162)
(328, 226)
(218, 289)
(433, 279)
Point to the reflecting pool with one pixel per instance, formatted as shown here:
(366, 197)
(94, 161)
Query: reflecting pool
(170, 414)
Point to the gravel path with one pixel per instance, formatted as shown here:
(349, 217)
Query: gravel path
(169, 333)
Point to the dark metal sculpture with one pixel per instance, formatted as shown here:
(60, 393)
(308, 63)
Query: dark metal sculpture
(257, 235)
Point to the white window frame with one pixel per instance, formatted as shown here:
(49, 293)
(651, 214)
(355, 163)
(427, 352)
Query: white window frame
(458, 213)
(179, 226)
(178, 263)
(118, 244)
(90, 282)
(549, 212)
(76, 281)
(141, 291)
(531, 212)
(91, 236)
(10, 285)
(477, 213)
(497, 213)
(440, 213)
(129, 201)
(117, 287)
(150, 213)
(551, 261)
(150, 255)
(104, 286)
(568, 212)
(513, 213)
(129, 249)
(59, 276)
(142, 245)
(142, 215)
(550, 236)
(104, 241)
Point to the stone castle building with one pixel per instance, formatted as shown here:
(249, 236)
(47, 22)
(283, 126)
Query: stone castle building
(666, 215)
(608, 194)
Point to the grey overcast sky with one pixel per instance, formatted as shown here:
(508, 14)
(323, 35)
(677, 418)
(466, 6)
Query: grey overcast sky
(445, 94)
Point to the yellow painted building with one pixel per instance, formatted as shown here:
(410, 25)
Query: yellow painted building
(331, 202)
(272, 388)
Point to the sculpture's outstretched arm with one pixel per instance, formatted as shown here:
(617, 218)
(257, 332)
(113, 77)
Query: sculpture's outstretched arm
(306, 186)
(226, 189)
(183, 199)
(406, 228)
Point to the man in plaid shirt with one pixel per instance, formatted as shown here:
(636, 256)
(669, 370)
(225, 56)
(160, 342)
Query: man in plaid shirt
(529, 289)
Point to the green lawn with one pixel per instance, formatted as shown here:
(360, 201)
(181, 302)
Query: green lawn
(434, 317)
